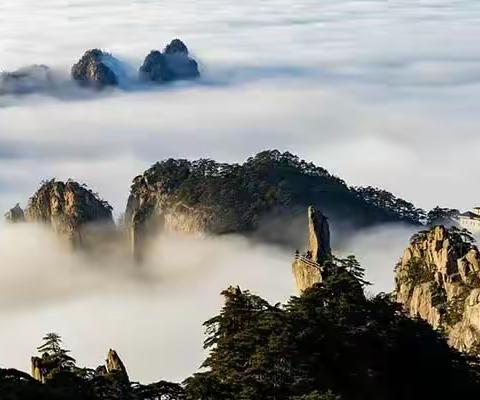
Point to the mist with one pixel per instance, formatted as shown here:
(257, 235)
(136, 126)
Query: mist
(151, 314)
(378, 93)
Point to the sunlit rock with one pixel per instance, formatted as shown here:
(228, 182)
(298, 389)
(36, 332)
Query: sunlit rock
(307, 267)
(115, 366)
(68, 208)
(97, 69)
(438, 280)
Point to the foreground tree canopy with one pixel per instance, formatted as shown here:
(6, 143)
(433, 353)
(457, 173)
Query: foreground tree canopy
(332, 342)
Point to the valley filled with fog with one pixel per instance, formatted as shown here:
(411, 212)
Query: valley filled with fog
(379, 93)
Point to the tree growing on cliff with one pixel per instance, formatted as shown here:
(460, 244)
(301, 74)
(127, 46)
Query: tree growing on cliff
(52, 350)
(332, 342)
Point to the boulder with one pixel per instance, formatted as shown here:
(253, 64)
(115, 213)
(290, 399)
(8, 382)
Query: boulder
(173, 63)
(96, 69)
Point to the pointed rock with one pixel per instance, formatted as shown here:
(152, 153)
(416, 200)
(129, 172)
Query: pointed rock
(15, 215)
(318, 235)
(307, 268)
(115, 365)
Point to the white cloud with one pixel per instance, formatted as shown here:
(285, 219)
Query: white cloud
(380, 93)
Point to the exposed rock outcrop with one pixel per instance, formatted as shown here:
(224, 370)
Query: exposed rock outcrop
(31, 79)
(115, 366)
(151, 211)
(15, 215)
(307, 268)
(438, 280)
(38, 369)
(69, 208)
(261, 197)
(97, 69)
(172, 64)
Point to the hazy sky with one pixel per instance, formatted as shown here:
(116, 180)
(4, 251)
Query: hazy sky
(381, 93)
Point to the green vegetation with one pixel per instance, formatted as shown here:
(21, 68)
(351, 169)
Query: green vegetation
(331, 343)
(240, 195)
(418, 272)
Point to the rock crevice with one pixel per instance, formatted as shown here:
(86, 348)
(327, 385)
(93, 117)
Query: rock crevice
(438, 280)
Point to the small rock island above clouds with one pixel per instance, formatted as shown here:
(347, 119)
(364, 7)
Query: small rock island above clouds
(97, 69)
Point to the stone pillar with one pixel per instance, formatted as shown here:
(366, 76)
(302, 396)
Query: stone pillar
(319, 235)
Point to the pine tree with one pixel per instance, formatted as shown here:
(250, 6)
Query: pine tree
(52, 350)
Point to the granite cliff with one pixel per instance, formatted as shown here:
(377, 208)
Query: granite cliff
(438, 280)
(308, 267)
(97, 69)
(69, 208)
(207, 197)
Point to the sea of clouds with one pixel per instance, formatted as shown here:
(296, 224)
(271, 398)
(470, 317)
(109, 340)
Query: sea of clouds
(378, 92)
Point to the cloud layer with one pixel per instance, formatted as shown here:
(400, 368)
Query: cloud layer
(380, 93)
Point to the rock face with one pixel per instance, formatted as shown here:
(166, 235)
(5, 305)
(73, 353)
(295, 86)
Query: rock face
(38, 369)
(68, 208)
(172, 64)
(15, 215)
(115, 366)
(32, 79)
(150, 209)
(438, 280)
(307, 268)
(96, 69)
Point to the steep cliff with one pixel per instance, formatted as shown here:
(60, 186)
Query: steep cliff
(69, 208)
(97, 69)
(307, 267)
(205, 196)
(438, 280)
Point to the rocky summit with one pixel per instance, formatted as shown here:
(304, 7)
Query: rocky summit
(173, 63)
(26, 80)
(15, 215)
(307, 267)
(438, 280)
(97, 69)
(68, 208)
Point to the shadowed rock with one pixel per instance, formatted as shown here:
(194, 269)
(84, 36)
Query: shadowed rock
(27, 80)
(307, 268)
(318, 235)
(173, 64)
(15, 215)
(96, 69)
